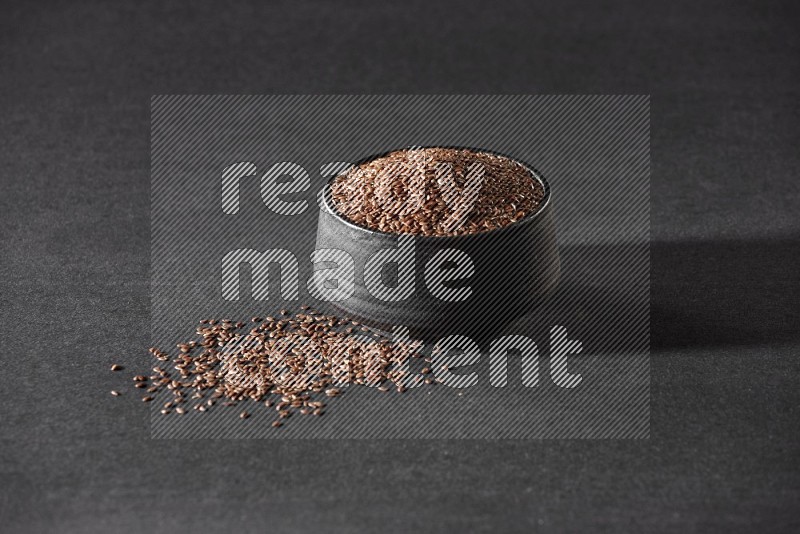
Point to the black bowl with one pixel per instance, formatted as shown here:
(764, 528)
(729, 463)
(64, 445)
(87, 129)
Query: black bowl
(514, 267)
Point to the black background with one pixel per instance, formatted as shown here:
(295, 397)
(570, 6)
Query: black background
(75, 87)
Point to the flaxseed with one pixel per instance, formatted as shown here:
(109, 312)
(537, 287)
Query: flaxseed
(295, 361)
(437, 191)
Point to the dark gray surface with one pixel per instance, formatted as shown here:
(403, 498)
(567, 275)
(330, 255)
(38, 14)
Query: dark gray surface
(75, 83)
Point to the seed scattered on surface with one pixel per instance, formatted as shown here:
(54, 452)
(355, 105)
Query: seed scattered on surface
(277, 424)
(117, 367)
(115, 393)
(288, 363)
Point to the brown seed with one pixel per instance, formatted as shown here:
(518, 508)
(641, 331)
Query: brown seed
(254, 373)
(508, 191)
(147, 399)
(180, 410)
(277, 424)
(115, 393)
(140, 385)
(117, 367)
(244, 415)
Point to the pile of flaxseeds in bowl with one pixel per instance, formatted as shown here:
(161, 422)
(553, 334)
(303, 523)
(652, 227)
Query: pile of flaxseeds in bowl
(437, 192)
(292, 363)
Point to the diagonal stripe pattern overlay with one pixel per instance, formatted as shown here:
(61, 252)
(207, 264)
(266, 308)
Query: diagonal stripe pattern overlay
(578, 363)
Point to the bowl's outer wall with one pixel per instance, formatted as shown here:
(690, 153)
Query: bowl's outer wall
(514, 267)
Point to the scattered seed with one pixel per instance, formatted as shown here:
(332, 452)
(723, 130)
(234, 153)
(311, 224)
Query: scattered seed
(115, 393)
(254, 373)
(117, 367)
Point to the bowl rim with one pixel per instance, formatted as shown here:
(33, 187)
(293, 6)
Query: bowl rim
(331, 209)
